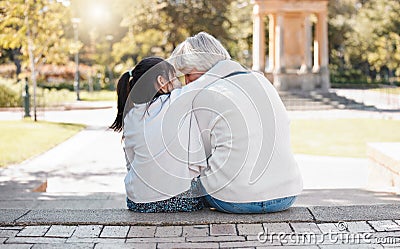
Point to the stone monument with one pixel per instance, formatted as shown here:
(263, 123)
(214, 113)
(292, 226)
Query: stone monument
(297, 58)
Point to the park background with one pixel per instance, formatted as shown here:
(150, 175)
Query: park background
(41, 42)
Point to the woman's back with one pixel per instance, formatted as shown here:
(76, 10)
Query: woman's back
(156, 169)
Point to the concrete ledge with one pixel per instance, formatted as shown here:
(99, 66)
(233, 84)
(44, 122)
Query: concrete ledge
(384, 165)
(125, 217)
(356, 213)
(9, 216)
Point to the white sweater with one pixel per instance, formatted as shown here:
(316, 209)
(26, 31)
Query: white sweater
(245, 130)
(244, 133)
(158, 163)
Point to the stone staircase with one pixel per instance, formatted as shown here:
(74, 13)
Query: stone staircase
(314, 100)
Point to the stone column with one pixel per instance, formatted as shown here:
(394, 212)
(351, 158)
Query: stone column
(271, 43)
(316, 47)
(306, 65)
(258, 41)
(279, 45)
(323, 40)
(322, 27)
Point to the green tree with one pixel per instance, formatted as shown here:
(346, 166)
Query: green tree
(378, 29)
(240, 31)
(36, 29)
(364, 38)
(156, 27)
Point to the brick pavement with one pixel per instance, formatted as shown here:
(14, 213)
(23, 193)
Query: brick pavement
(297, 235)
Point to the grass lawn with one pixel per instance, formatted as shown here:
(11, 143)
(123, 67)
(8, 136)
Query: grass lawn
(102, 95)
(54, 98)
(22, 139)
(341, 137)
(390, 90)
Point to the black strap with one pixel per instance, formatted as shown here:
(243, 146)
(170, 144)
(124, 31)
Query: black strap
(235, 73)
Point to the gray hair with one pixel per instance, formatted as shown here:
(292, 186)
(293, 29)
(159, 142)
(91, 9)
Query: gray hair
(198, 53)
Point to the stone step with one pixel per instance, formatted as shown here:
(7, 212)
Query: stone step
(314, 100)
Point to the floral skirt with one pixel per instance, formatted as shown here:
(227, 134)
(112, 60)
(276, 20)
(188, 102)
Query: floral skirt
(187, 201)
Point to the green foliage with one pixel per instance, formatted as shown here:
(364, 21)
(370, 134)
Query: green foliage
(364, 39)
(43, 21)
(156, 27)
(9, 97)
(364, 35)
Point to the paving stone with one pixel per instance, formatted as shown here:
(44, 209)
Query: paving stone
(389, 234)
(288, 247)
(277, 228)
(357, 246)
(265, 241)
(359, 227)
(64, 246)
(262, 237)
(169, 231)
(215, 239)
(114, 232)
(60, 231)
(305, 239)
(33, 231)
(249, 229)
(127, 246)
(332, 227)
(87, 231)
(196, 230)
(142, 231)
(305, 228)
(2, 240)
(245, 248)
(95, 240)
(155, 240)
(394, 245)
(12, 228)
(187, 245)
(384, 225)
(242, 244)
(16, 246)
(9, 216)
(34, 240)
(223, 229)
(8, 233)
(397, 221)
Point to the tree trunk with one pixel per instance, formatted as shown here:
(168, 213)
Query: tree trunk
(31, 59)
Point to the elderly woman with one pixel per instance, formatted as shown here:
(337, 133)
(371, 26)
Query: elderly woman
(244, 130)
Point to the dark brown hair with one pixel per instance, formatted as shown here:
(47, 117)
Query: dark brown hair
(142, 82)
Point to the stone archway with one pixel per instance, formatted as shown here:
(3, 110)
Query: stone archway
(290, 64)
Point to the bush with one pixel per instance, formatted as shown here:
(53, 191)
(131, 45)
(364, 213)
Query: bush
(9, 98)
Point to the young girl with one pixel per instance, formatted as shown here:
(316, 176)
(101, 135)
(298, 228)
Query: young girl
(159, 178)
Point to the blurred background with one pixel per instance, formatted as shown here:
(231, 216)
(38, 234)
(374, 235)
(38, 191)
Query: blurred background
(60, 59)
(109, 37)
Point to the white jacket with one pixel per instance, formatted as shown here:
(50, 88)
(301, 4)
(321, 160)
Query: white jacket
(245, 131)
(158, 163)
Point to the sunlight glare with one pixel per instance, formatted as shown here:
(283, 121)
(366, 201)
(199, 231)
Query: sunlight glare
(98, 12)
